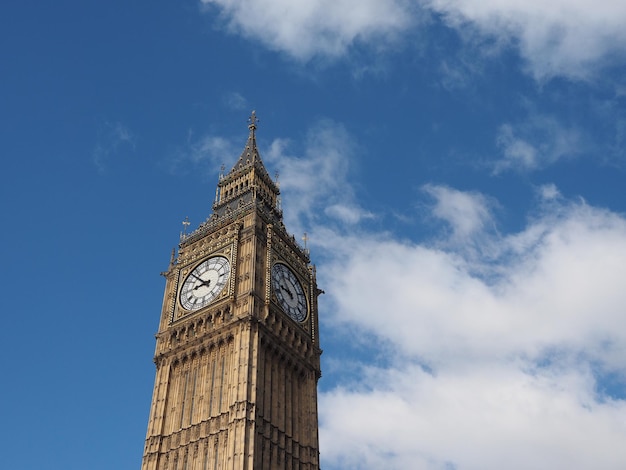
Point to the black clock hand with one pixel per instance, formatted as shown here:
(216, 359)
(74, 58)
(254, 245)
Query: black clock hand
(282, 286)
(203, 283)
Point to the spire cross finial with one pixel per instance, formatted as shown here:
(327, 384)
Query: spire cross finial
(252, 120)
(305, 239)
(186, 224)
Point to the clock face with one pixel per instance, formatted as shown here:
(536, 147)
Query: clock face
(204, 283)
(289, 292)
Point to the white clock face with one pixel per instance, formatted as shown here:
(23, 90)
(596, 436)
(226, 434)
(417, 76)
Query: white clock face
(289, 292)
(204, 283)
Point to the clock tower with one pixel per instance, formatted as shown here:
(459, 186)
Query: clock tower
(237, 351)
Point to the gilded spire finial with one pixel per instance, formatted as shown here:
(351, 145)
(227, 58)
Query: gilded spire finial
(252, 120)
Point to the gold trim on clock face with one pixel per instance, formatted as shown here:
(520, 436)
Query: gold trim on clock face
(289, 292)
(205, 283)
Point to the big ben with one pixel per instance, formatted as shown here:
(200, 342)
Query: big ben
(237, 349)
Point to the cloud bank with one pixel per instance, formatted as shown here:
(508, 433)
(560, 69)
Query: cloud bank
(510, 354)
(571, 38)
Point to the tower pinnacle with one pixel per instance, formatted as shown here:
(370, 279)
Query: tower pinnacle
(252, 121)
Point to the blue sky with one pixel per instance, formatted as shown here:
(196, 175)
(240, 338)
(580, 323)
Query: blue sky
(459, 167)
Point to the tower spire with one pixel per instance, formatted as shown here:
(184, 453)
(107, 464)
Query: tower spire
(250, 154)
(248, 182)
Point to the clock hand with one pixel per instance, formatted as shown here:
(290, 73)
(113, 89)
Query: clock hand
(282, 286)
(203, 283)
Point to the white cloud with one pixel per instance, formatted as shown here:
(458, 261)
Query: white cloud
(560, 37)
(536, 143)
(348, 214)
(514, 347)
(557, 283)
(208, 152)
(468, 214)
(317, 179)
(308, 28)
(549, 192)
(481, 419)
(214, 148)
(517, 152)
